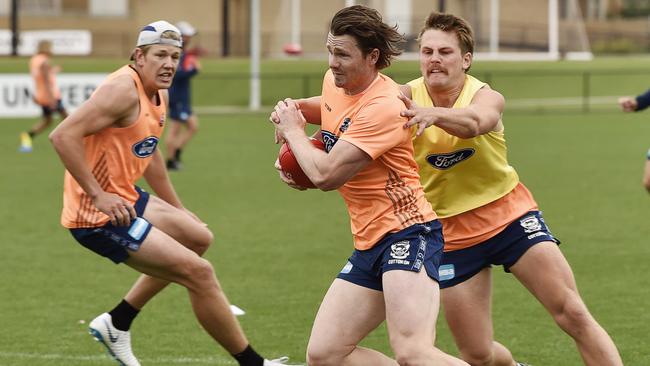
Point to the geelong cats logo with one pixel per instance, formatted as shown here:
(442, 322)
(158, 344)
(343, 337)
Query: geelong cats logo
(146, 147)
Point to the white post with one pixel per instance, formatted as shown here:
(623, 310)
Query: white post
(553, 29)
(399, 12)
(295, 22)
(494, 27)
(254, 101)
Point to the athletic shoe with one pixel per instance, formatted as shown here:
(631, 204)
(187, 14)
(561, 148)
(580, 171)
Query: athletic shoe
(522, 364)
(25, 142)
(117, 342)
(282, 361)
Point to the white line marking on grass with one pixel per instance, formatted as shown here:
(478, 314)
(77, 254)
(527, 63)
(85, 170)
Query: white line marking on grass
(154, 361)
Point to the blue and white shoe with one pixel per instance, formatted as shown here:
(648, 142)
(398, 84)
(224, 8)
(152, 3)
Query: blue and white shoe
(117, 342)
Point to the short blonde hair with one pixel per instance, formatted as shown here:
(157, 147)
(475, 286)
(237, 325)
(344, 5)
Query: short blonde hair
(451, 23)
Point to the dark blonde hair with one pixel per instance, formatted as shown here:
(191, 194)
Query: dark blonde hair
(44, 46)
(451, 23)
(368, 29)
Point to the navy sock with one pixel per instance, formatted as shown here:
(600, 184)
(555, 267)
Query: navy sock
(248, 357)
(123, 315)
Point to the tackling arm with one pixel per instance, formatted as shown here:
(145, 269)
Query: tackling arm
(481, 116)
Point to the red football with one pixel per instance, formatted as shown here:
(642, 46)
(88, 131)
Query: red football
(292, 49)
(292, 169)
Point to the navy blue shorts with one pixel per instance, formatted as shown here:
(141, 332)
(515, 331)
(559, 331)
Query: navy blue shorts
(114, 242)
(505, 249)
(48, 111)
(404, 250)
(180, 111)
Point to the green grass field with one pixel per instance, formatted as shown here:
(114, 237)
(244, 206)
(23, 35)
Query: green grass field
(277, 250)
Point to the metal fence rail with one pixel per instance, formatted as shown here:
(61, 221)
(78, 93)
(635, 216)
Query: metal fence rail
(529, 91)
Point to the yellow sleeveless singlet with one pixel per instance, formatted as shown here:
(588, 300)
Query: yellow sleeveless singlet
(458, 174)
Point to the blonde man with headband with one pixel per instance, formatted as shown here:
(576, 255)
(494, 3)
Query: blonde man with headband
(488, 216)
(106, 146)
(46, 93)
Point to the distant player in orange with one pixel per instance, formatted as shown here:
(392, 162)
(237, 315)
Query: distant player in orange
(488, 216)
(184, 121)
(106, 146)
(635, 104)
(46, 93)
(393, 272)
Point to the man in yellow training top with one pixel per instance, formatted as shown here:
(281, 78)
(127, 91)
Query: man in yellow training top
(488, 216)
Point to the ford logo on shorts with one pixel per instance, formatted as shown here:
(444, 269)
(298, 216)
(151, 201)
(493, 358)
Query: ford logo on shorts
(146, 147)
(447, 160)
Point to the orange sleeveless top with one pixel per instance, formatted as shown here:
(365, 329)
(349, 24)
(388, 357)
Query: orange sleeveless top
(117, 158)
(40, 90)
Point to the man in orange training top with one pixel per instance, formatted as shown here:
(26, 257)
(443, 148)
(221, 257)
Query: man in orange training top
(46, 93)
(106, 146)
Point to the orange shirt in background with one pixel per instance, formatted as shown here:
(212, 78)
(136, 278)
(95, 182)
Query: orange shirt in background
(41, 95)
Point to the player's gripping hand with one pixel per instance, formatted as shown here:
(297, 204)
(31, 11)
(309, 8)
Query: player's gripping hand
(118, 210)
(287, 179)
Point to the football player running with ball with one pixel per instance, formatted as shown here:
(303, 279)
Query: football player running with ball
(393, 272)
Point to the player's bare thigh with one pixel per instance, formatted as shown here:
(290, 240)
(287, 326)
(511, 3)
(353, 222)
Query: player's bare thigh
(467, 307)
(163, 257)
(178, 224)
(544, 270)
(412, 305)
(347, 314)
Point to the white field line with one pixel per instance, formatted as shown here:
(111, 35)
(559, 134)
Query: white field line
(95, 358)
